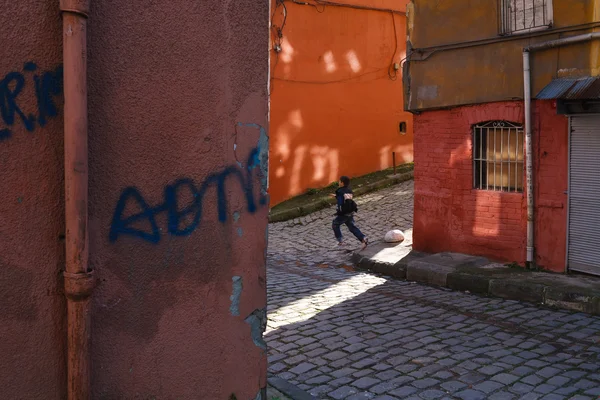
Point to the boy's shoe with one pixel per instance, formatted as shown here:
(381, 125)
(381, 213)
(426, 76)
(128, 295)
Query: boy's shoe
(365, 243)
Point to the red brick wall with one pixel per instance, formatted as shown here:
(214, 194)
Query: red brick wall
(451, 216)
(551, 184)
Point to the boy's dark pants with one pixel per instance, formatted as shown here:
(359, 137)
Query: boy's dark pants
(348, 220)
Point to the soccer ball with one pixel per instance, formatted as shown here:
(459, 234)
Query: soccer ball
(394, 236)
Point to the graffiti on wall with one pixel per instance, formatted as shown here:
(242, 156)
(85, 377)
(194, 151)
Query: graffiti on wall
(184, 220)
(47, 84)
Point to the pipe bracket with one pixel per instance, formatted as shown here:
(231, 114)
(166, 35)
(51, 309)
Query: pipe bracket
(80, 285)
(78, 7)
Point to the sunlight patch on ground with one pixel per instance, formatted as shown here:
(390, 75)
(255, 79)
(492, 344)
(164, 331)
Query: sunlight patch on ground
(306, 308)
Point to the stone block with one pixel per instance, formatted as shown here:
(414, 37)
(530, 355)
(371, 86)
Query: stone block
(572, 298)
(429, 273)
(517, 289)
(471, 282)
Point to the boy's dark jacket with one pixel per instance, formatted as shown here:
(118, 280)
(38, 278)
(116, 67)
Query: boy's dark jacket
(342, 194)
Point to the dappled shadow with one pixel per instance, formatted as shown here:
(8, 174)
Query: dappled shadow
(335, 103)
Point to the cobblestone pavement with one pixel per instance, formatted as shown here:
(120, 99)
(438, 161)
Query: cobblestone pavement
(310, 239)
(341, 334)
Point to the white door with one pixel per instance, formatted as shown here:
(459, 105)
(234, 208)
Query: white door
(584, 195)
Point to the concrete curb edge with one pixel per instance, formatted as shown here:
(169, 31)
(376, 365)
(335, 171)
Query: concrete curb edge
(517, 287)
(288, 389)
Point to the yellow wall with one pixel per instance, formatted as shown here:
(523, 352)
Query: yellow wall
(492, 71)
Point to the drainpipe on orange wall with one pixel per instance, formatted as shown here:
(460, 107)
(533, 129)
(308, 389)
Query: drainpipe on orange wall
(79, 281)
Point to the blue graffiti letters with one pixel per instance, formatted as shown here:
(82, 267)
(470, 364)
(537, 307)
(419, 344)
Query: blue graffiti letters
(47, 86)
(122, 226)
(182, 220)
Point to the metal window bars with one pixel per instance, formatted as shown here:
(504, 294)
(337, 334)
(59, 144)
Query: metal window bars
(518, 16)
(498, 156)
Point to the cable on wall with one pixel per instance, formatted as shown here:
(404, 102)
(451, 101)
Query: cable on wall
(392, 71)
(276, 37)
(320, 5)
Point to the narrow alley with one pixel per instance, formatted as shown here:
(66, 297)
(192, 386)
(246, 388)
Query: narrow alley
(342, 334)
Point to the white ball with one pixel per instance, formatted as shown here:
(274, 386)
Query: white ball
(394, 236)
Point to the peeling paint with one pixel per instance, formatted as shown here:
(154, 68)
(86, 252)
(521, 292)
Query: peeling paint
(240, 232)
(236, 216)
(262, 156)
(258, 323)
(236, 293)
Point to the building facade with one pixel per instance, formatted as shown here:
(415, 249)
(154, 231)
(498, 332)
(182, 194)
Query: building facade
(177, 215)
(335, 85)
(464, 81)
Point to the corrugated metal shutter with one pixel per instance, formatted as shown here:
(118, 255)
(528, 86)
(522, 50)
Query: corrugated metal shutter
(584, 195)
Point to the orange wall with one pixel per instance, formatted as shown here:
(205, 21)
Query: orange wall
(334, 109)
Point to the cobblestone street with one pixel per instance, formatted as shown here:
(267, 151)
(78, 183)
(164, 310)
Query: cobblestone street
(342, 334)
(309, 240)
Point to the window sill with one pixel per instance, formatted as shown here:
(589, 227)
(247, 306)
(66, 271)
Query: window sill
(498, 192)
(527, 31)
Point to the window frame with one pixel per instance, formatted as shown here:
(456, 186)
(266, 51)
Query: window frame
(481, 172)
(504, 21)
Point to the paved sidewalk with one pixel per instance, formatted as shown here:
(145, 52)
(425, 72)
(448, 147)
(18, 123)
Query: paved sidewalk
(343, 334)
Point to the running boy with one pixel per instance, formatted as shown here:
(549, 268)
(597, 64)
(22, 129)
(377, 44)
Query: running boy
(346, 207)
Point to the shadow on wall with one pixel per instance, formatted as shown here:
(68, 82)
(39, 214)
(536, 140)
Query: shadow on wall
(336, 106)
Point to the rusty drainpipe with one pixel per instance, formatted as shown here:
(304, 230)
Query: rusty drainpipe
(79, 280)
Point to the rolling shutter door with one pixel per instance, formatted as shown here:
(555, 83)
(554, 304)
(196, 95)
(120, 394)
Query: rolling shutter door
(584, 195)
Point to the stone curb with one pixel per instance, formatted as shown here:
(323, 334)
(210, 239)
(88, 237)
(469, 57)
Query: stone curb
(324, 203)
(480, 276)
(292, 391)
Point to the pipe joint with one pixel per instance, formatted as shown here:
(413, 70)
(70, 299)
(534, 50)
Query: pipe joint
(80, 285)
(78, 7)
(529, 254)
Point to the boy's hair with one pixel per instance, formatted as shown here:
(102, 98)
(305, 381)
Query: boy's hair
(345, 181)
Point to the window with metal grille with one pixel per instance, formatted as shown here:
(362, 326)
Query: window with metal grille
(521, 16)
(498, 156)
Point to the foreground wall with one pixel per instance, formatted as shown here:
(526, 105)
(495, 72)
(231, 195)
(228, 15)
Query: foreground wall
(452, 216)
(178, 162)
(336, 100)
(32, 321)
